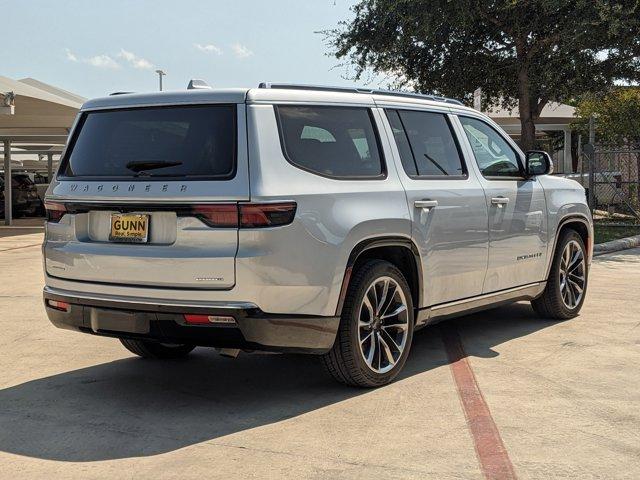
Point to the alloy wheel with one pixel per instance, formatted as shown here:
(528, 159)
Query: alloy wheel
(572, 274)
(383, 324)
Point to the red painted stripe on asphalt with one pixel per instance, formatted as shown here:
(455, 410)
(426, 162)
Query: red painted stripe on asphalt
(494, 460)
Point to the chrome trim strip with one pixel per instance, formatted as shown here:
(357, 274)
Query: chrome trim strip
(152, 201)
(170, 201)
(146, 301)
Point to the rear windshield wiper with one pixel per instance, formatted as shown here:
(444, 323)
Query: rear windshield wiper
(150, 165)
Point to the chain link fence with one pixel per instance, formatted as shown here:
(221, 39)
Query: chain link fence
(611, 178)
(612, 182)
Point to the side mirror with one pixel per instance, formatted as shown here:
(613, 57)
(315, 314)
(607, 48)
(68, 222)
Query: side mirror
(538, 162)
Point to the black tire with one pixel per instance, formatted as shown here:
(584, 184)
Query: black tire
(156, 350)
(345, 361)
(550, 304)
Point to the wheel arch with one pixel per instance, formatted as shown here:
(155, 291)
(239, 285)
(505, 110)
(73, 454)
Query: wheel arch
(583, 226)
(400, 251)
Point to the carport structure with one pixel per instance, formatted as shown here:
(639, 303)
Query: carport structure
(35, 120)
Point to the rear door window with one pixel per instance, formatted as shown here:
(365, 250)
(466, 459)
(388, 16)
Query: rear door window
(337, 142)
(427, 145)
(181, 142)
(402, 142)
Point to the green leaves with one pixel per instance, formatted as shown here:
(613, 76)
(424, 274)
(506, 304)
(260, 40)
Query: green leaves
(532, 51)
(617, 116)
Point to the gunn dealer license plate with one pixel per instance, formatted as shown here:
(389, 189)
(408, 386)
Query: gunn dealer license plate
(132, 228)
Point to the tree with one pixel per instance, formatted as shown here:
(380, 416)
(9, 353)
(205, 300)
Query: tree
(520, 52)
(617, 116)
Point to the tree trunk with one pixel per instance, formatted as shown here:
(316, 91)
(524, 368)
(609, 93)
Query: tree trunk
(527, 132)
(525, 109)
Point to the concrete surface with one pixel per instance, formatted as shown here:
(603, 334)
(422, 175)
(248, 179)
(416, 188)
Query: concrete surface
(564, 397)
(22, 226)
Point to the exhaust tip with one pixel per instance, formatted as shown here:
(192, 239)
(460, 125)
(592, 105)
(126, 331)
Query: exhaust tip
(229, 352)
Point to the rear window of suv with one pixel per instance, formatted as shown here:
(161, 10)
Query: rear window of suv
(335, 142)
(180, 142)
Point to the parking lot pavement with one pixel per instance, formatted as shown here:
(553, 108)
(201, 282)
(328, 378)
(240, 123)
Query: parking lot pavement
(563, 397)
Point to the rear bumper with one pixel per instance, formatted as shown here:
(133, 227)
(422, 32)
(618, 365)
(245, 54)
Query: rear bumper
(164, 322)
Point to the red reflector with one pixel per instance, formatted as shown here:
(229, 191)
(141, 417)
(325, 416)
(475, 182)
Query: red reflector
(221, 215)
(55, 211)
(254, 215)
(56, 305)
(194, 319)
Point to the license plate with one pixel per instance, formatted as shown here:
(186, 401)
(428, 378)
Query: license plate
(133, 228)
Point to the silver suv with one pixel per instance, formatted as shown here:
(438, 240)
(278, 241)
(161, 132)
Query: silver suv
(302, 219)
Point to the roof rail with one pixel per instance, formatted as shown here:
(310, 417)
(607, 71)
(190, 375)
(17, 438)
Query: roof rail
(370, 91)
(119, 93)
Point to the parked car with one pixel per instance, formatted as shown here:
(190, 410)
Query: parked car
(24, 196)
(42, 183)
(302, 219)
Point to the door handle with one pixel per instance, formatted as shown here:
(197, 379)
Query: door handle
(425, 204)
(499, 201)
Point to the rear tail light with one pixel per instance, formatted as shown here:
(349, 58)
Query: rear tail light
(255, 215)
(55, 211)
(57, 305)
(221, 215)
(245, 215)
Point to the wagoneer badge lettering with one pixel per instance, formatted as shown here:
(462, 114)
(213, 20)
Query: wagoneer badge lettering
(132, 187)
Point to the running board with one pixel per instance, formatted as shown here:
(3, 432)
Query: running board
(466, 306)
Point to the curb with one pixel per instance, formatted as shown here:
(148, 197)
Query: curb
(616, 245)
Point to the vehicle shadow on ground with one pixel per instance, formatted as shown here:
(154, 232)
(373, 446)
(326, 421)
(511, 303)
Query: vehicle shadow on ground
(134, 407)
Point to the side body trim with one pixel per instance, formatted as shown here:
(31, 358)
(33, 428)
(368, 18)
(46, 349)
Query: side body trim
(466, 306)
(562, 223)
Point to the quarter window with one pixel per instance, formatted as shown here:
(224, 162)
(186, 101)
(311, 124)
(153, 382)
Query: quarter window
(336, 142)
(494, 155)
(426, 144)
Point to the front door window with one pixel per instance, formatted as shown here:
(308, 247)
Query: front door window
(494, 155)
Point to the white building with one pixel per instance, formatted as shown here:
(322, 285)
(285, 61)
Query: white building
(554, 117)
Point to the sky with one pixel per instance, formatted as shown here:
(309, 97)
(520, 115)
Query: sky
(93, 48)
